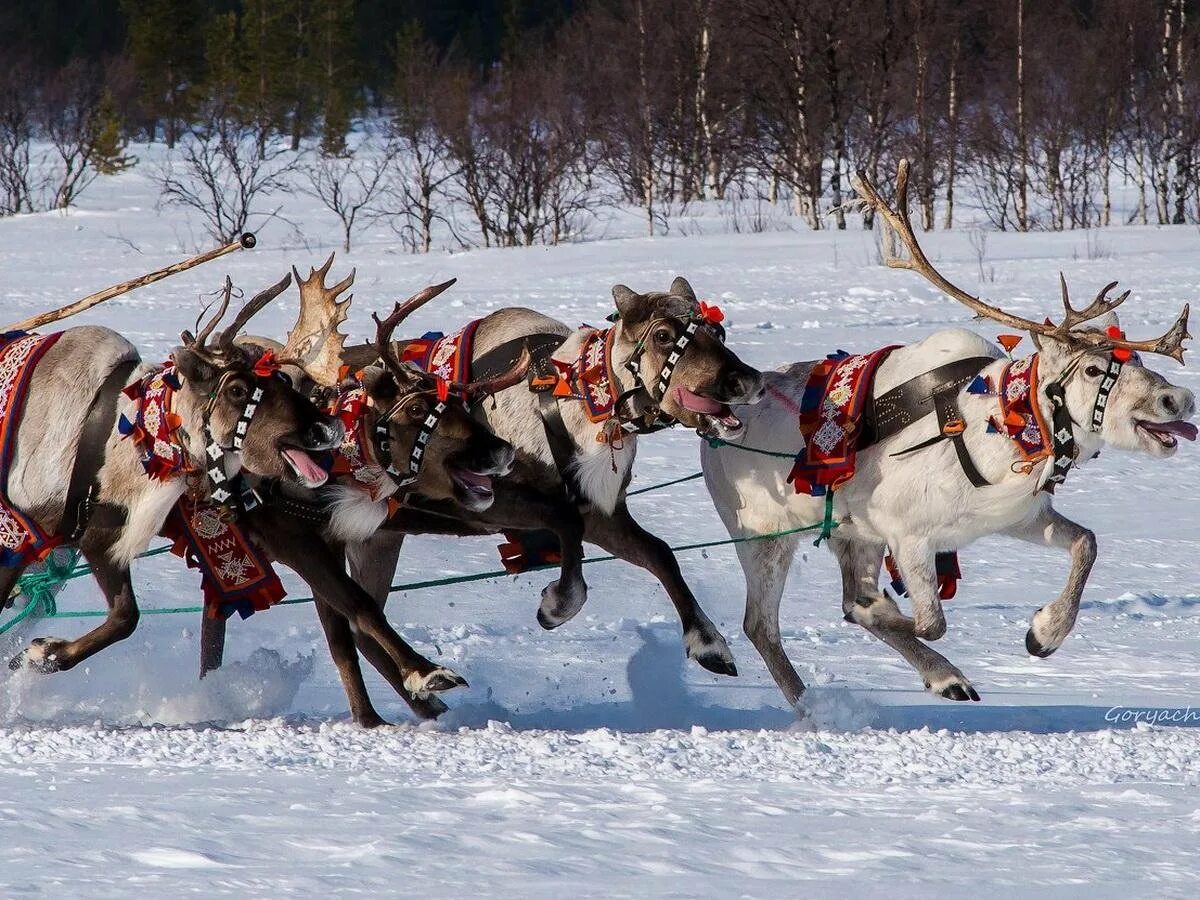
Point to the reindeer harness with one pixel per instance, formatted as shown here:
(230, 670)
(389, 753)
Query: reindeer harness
(22, 540)
(590, 378)
(1020, 412)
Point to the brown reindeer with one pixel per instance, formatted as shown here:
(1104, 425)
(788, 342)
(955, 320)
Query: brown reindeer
(582, 494)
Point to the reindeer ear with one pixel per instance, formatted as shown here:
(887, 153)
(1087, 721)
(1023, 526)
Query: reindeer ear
(632, 306)
(1051, 348)
(192, 366)
(1106, 321)
(681, 288)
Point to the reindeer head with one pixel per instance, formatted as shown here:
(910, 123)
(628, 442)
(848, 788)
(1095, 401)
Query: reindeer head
(676, 348)
(432, 438)
(1084, 360)
(233, 398)
(1141, 409)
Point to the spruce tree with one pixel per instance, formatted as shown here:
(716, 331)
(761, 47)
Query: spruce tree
(167, 50)
(109, 142)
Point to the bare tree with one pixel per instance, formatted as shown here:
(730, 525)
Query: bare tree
(350, 186)
(220, 171)
(17, 101)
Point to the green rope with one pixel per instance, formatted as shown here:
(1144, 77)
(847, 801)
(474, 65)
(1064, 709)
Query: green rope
(827, 524)
(717, 443)
(449, 580)
(656, 487)
(40, 587)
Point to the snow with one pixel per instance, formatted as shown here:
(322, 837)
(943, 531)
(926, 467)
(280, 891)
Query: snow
(595, 759)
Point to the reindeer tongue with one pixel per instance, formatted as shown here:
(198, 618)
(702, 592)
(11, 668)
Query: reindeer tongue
(306, 470)
(696, 403)
(1185, 430)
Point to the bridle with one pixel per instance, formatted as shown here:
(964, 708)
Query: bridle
(416, 457)
(220, 484)
(653, 418)
(1063, 444)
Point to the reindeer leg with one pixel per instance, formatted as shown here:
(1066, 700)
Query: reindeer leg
(59, 655)
(290, 542)
(525, 510)
(372, 564)
(623, 537)
(916, 561)
(765, 564)
(212, 643)
(1054, 621)
(864, 604)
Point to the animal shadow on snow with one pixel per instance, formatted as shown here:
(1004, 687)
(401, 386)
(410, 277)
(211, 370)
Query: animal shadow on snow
(659, 698)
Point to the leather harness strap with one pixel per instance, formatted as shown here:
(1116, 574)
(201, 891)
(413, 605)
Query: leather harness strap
(501, 358)
(543, 375)
(935, 391)
(84, 485)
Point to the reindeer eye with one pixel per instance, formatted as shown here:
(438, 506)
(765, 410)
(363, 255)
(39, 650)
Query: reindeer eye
(418, 409)
(1093, 371)
(237, 392)
(664, 337)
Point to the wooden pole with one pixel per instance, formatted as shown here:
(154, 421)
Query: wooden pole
(247, 240)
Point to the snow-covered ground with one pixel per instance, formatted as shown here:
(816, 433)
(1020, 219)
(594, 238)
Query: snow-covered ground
(595, 759)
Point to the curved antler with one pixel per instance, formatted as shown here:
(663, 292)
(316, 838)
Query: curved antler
(1068, 330)
(385, 328)
(250, 310)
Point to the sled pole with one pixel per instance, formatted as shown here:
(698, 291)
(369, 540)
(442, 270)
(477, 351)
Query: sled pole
(246, 240)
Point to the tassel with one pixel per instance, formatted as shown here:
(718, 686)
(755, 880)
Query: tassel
(979, 385)
(1009, 341)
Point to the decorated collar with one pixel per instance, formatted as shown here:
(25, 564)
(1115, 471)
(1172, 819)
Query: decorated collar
(357, 456)
(154, 428)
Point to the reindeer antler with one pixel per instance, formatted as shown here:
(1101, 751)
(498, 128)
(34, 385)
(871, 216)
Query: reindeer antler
(250, 310)
(1169, 344)
(385, 328)
(315, 340)
(488, 386)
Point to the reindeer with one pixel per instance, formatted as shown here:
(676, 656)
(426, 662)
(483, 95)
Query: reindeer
(409, 438)
(78, 481)
(940, 464)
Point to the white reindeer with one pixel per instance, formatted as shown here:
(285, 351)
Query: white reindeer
(1091, 391)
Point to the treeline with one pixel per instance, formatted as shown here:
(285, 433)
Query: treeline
(513, 121)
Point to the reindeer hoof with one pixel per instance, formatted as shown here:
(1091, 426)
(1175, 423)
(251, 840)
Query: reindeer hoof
(952, 686)
(429, 707)
(560, 604)
(1035, 647)
(41, 655)
(440, 679)
(711, 652)
(371, 720)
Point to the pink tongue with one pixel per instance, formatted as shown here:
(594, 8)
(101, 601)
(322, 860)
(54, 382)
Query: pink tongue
(474, 478)
(696, 403)
(313, 475)
(1185, 430)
